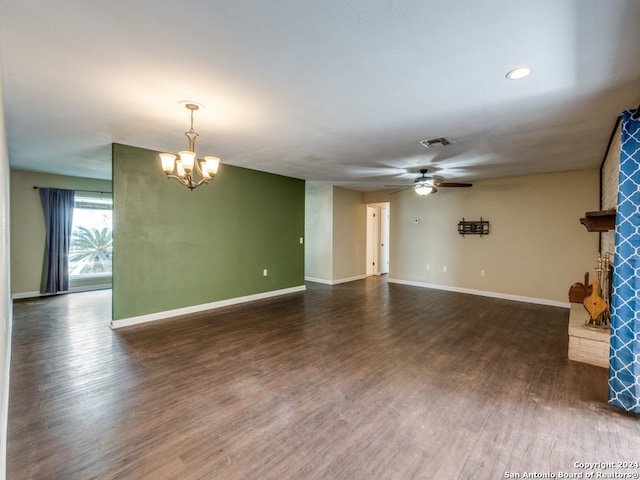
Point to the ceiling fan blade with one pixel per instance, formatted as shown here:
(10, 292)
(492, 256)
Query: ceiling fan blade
(400, 186)
(453, 184)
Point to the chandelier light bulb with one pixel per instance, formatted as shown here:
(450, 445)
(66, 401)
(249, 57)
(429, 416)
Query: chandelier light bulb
(204, 170)
(168, 162)
(212, 164)
(180, 170)
(187, 158)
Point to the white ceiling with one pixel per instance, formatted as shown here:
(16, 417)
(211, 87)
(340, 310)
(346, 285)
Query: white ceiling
(328, 91)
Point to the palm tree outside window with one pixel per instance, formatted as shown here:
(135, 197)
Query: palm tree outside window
(91, 249)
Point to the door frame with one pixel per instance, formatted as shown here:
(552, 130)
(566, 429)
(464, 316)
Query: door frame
(377, 239)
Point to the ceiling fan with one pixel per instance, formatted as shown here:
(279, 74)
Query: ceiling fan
(424, 185)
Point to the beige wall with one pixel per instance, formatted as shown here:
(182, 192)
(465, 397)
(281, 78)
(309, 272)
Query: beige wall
(537, 247)
(349, 234)
(318, 227)
(27, 224)
(335, 234)
(5, 296)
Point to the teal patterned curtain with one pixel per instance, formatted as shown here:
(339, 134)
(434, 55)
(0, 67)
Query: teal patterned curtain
(624, 367)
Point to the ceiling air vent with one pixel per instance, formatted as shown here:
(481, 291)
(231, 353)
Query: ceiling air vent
(435, 142)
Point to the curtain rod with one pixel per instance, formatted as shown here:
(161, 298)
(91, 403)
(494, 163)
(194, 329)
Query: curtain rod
(86, 191)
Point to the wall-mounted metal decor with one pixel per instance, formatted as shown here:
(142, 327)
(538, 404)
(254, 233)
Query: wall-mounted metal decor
(473, 227)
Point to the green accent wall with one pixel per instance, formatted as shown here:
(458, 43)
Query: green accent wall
(175, 248)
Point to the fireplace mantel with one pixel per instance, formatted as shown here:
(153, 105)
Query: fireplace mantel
(600, 221)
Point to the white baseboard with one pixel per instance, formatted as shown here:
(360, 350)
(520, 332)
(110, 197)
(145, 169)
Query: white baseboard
(349, 279)
(503, 296)
(127, 322)
(18, 296)
(334, 282)
(4, 403)
(318, 280)
(88, 288)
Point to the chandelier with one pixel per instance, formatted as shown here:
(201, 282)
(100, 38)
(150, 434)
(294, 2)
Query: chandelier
(190, 171)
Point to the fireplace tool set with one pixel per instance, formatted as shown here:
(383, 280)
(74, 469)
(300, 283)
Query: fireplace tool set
(597, 296)
(598, 302)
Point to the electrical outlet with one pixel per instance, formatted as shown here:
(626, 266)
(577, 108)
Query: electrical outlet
(444, 269)
(301, 240)
(482, 273)
(264, 272)
(428, 267)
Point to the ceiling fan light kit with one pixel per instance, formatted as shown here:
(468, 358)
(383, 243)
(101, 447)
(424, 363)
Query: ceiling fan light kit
(425, 189)
(190, 171)
(424, 185)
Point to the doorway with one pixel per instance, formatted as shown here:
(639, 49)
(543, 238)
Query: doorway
(378, 220)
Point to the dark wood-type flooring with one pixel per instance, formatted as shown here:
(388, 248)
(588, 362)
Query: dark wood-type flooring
(364, 380)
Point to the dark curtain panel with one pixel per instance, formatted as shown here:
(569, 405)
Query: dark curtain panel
(57, 205)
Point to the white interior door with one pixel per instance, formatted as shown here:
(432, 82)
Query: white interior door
(384, 238)
(373, 240)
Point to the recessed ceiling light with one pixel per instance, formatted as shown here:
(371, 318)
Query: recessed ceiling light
(519, 73)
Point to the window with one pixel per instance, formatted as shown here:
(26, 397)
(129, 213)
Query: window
(91, 249)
